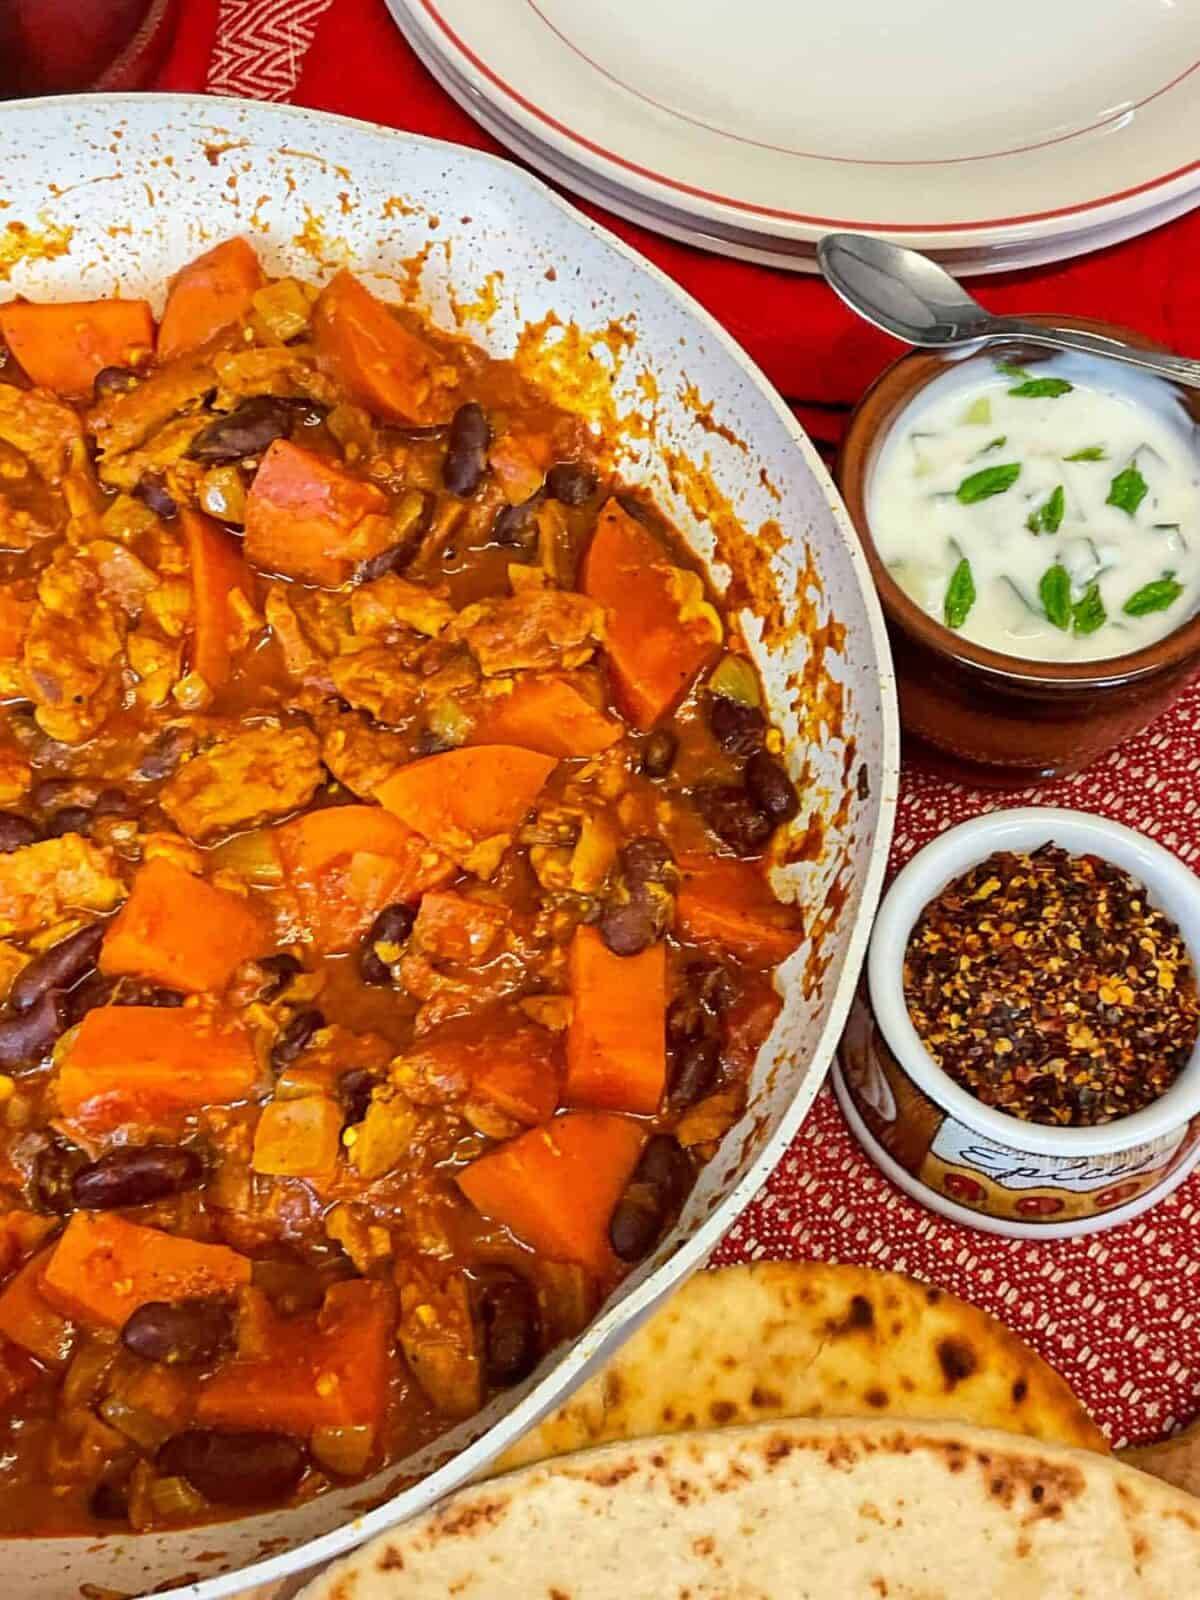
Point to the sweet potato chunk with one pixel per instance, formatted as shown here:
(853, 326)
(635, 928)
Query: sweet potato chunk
(178, 930)
(546, 714)
(103, 1268)
(241, 781)
(144, 1064)
(661, 629)
(217, 571)
(331, 1371)
(556, 1187)
(376, 359)
(62, 347)
(308, 519)
(208, 296)
(345, 863)
(728, 905)
(468, 802)
(616, 1042)
(28, 1318)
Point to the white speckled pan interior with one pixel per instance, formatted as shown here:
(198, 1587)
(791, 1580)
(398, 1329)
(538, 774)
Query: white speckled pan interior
(100, 194)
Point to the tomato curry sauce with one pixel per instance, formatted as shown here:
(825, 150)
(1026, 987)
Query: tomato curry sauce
(385, 935)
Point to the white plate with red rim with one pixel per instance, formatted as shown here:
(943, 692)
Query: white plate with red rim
(955, 130)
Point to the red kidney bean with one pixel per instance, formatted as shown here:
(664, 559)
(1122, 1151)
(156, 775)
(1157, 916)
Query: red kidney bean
(628, 926)
(392, 926)
(733, 816)
(16, 832)
(151, 489)
(739, 729)
(114, 380)
(658, 753)
(54, 1170)
(646, 859)
(693, 1073)
(280, 970)
(163, 756)
(466, 454)
(109, 1500)
(354, 1091)
(514, 525)
(652, 1199)
(135, 1175)
(235, 1467)
(246, 431)
(137, 992)
(508, 1313)
(71, 819)
(571, 483)
(29, 1038)
(296, 1037)
(179, 1332)
(771, 788)
(60, 967)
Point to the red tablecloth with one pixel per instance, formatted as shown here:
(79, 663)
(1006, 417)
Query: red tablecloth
(1116, 1313)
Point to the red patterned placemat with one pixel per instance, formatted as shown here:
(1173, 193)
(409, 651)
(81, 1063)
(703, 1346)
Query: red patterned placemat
(1117, 1312)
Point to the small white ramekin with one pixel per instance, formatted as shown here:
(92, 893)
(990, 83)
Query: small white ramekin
(967, 1160)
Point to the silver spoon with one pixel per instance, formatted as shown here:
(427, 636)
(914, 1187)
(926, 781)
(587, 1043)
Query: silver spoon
(908, 295)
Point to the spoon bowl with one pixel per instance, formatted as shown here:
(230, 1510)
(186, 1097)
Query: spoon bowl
(916, 300)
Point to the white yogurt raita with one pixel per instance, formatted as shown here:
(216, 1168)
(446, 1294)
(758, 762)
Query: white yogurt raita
(1050, 511)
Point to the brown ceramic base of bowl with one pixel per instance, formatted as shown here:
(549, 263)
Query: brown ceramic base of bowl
(997, 720)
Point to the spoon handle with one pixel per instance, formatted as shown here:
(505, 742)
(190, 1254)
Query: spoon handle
(1179, 369)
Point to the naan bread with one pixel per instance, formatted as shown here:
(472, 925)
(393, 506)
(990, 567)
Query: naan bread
(805, 1339)
(802, 1510)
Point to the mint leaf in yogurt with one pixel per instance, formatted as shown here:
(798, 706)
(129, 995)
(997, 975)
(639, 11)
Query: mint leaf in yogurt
(1156, 596)
(1042, 388)
(1054, 591)
(987, 481)
(1092, 452)
(960, 595)
(1089, 614)
(1048, 518)
(1007, 370)
(1127, 490)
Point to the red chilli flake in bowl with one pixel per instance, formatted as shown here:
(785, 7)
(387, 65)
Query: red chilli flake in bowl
(1047, 987)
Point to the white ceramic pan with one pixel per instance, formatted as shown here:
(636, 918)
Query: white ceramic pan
(100, 193)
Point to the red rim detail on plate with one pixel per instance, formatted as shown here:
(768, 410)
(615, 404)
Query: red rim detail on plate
(481, 66)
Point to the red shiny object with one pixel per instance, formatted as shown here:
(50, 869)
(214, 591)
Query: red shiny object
(56, 46)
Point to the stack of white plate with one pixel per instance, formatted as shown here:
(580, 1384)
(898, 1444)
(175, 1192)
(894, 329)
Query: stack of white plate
(990, 136)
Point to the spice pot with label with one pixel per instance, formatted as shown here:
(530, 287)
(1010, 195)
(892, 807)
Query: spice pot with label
(1022, 1055)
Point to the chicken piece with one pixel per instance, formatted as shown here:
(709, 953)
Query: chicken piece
(162, 453)
(458, 993)
(288, 372)
(41, 428)
(439, 1338)
(301, 658)
(73, 654)
(20, 530)
(372, 680)
(243, 780)
(43, 883)
(15, 777)
(536, 628)
(126, 579)
(360, 756)
(392, 601)
(126, 418)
